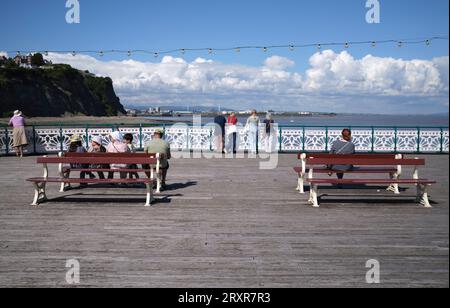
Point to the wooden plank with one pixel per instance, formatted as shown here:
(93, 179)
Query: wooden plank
(222, 223)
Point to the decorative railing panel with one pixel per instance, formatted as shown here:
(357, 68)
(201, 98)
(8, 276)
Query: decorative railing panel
(45, 139)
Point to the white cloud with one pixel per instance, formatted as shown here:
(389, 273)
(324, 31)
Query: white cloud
(3, 54)
(332, 80)
(278, 63)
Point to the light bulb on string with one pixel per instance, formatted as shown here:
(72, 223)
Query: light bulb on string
(347, 45)
(291, 47)
(74, 53)
(400, 44)
(238, 50)
(101, 53)
(264, 49)
(156, 55)
(428, 42)
(183, 51)
(374, 44)
(319, 46)
(210, 51)
(46, 53)
(129, 53)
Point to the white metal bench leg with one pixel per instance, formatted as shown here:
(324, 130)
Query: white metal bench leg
(39, 193)
(314, 195)
(394, 187)
(150, 198)
(422, 196)
(301, 183)
(158, 183)
(65, 186)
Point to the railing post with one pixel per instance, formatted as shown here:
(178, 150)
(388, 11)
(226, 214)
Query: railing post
(418, 139)
(87, 136)
(6, 141)
(140, 137)
(211, 140)
(61, 139)
(34, 139)
(442, 141)
(280, 139)
(373, 139)
(188, 141)
(326, 139)
(303, 139)
(395, 140)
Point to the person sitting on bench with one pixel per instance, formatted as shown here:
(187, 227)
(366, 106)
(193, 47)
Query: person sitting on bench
(343, 146)
(77, 147)
(97, 147)
(117, 146)
(160, 146)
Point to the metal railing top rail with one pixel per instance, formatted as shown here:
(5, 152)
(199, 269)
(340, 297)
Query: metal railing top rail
(68, 125)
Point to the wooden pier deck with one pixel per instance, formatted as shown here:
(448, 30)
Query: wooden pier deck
(222, 223)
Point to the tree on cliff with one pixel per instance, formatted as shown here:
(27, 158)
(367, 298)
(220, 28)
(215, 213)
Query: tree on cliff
(37, 60)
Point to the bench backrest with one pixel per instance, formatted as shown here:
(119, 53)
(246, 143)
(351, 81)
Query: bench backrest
(102, 159)
(365, 161)
(366, 156)
(123, 155)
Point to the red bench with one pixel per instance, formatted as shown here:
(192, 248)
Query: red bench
(89, 159)
(154, 172)
(422, 184)
(393, 171)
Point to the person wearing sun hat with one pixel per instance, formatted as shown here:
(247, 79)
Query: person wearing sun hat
(19, 134)
(159, 145)
(117, 146)
(97, 147)
(76, 146)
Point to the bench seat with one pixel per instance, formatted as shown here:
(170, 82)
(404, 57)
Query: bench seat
(422, 186)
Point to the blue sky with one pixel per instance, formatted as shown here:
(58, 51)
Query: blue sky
(161, 25)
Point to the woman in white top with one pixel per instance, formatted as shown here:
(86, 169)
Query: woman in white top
(253, 127)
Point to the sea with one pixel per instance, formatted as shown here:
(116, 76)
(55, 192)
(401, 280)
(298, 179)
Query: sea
(340, 120)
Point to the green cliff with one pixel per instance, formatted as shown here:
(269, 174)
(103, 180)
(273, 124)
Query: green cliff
(56, 90)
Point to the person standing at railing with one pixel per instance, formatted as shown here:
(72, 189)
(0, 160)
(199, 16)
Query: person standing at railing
(232, 132)
(252, 127)
(117, 146)
(343, 146)
(19, 134)
(269, 133)
(219, 133)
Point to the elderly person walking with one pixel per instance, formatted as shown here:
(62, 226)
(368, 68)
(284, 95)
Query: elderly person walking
(19, 134)
(117, 146)
(253, 128)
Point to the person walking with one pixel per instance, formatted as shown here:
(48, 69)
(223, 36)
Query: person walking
(19, 134)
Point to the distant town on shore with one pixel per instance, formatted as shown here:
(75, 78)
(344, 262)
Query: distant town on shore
(177, 111)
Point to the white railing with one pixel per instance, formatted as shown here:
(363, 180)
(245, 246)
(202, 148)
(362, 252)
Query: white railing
(285, 139)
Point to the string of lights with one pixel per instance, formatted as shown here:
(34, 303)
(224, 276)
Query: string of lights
(292, 47)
